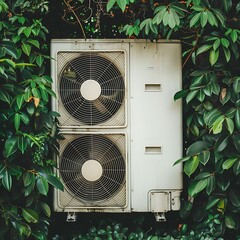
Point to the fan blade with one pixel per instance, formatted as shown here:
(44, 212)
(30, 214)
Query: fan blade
(114, 99)
(100, 106)
(70, 75)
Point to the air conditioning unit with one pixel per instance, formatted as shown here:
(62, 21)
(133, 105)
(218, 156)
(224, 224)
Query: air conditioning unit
(122, 128)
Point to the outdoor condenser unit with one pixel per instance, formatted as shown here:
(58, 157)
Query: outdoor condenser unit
(122, 128)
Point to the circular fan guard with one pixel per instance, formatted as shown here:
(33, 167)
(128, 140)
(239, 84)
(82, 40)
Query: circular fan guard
(91, 67)
(89, 148)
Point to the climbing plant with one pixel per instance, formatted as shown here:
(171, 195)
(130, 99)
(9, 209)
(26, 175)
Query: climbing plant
(210, 35)
(27, 127)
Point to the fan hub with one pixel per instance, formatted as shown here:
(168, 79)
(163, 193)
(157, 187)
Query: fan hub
(92, 170)
(90, 90)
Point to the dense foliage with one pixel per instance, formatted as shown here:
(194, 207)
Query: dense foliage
(210, 34)
(27, 127)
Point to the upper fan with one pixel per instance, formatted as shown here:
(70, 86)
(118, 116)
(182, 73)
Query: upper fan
(92, 88)
(93, 169)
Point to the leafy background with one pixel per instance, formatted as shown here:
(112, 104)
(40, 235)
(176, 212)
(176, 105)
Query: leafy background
(210, 35)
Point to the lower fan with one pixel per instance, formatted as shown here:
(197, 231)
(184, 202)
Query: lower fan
(93, 170)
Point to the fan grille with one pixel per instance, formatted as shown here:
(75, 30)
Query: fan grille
(92, 86)
(93, 168)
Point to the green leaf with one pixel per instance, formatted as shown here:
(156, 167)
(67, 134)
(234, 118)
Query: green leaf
(230, 223)
(30, 215)
(185, 209)
(2, 169)
(236, 141)
(211, 116)
(22, 144)
(236, 85)
(171, 19)
(230, 113)
(213, 201)
(39, 235)
(234, 196)
(223, 183)
(27, 31)
(26, 48)
(39, 60)
(180, 94)
(213, 56)
(53, 181)
(227, 5)
(227, 54)
(212, 19)
(17, 121)
(4, 96)
(25, 118)
(35, 93)
(34, 42)
(197, 7)
(11, 146)
(196, 187)
(191, 95)
(211, 184)
(230, 125)
(175, 13)
(146, 24)
(217, 125)
(195, 19)
(153, 27)
(184, 159)
(194, 130)
(197, 147)
(203, 175)
(221, 143)
(203, 49)
(228, 163)
(216, 44)
(20, 100)
(44, 94)
(166, 18)
(204, 157)
(21, 20)
(203, 19)
(234, 36)
(238, 8)
(3, 7)
(46, 209)
(236, 168)
(122, 4)
(10, 48)
(22, 228)
(27, 94)
(42, 186)
(158, 18)
(191, 165)
(7, 180)
(225, 42)
(28, 178)
(201, 95)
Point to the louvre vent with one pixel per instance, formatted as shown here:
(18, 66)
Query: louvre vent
(93, 168)
(92, 88)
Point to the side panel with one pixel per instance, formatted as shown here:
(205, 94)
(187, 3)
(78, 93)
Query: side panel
(156, 121)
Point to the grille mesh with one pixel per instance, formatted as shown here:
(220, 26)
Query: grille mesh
(106, 69)
(104, 149)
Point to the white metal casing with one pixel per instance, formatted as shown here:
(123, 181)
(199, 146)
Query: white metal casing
(153, 126)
